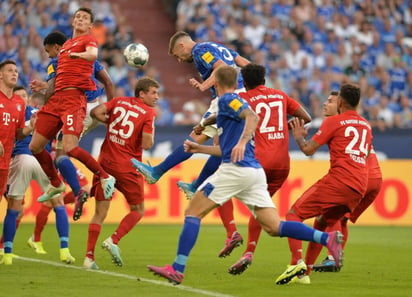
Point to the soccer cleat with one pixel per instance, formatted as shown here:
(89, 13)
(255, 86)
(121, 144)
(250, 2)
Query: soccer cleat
(244, 262)
(146, 170)
(79, 200)
(327, 265)
(291, 272)
(37, 246)
(168, 273)
(7, 259)
(12, 255)
(302, 279)
(187, 189)
(114, 251)
(334, 246)
(90, 264)
(108, 186)
(51, 192)
(232, 242)
(66, 257)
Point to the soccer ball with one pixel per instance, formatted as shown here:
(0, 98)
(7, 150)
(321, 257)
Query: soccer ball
(136, 55)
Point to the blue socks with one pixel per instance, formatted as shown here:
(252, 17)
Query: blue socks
(300, 231)
(176, 157)
(68, 171)
(208, 169)
(62, 225)
(187, 241)
(9, 229)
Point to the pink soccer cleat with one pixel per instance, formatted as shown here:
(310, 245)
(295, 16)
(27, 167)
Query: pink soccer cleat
(232, 242)
(168, 273)
(334, 246)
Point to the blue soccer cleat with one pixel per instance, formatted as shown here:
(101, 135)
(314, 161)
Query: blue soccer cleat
(146, 170)
(186, 188)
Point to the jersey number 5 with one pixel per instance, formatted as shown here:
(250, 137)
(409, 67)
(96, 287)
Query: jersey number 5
(123, 117)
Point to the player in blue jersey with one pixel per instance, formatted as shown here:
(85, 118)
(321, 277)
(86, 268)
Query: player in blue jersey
(23, 169)
(52, 45)
(207, 57)
(240, 175)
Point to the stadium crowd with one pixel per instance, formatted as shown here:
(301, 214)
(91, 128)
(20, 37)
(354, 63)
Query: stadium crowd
(308, 47)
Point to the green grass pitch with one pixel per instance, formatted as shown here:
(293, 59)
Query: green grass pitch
(378, 262)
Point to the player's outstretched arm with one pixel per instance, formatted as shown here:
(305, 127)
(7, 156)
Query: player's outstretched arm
(299, 133)
(100, 113)
(302, 114)
(251, 122)
(37, 85)
(147, 140)
(241, 61)
(193, 147)
(90, 54)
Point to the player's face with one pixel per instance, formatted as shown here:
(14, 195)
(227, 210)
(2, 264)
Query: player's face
(82, 21)
(182, 54)
(150, 98)
(9, 75)
(52, 50)
(330, 107)
(23, 94)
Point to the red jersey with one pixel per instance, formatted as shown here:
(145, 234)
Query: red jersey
(349, 139)
(374, 171)
(272, 134)
(129, 118)
(75, 73)
(12, 117)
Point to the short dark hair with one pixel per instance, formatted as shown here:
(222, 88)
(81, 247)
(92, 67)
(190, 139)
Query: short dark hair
(55, 37)
(350, 94)
(7, 62)
(87, 10)
(253, 75)
(144, 84)
(18, 88)
(334, 93)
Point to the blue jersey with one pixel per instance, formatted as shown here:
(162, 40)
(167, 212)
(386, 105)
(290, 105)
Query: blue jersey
(21, 147)
(97, 67)
(230, 127)
(206, 54)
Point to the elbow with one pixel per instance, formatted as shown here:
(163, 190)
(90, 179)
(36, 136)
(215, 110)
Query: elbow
(147, 145)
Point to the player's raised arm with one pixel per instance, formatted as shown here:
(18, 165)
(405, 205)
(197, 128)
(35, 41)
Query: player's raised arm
(299, 132)
(105, 79)
(90, 54)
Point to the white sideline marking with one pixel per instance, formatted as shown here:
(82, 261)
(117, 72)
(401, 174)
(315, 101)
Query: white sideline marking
(131, 277)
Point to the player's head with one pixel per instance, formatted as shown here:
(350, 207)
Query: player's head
(349, 97)
(53, 43)
(37, 100)
(83, 19)
(225, 78)
(180, 46)
(21, 91)
(147, 89)
(253, 75)
(330, 107)
(8, 73)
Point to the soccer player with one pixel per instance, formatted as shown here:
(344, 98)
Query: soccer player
(349, 138)
(240, 175)
(207, 57)
(52, 45)
(271, 142)
(67, 106)
(130, 129)
(12, 112)
(374, 186)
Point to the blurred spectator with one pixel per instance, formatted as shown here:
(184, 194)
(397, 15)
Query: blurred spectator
(294, 56)
(99, 31)
(254, 32)
(385, 59)
(62, 19)
(109, 49)
(403, 119)
(341, 58)
(118, 70)
(188, 115)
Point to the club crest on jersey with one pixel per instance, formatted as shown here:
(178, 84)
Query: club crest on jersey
(18, 107)
(208, 57)
(235, 104)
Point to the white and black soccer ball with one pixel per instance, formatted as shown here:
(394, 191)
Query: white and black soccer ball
(136, 55)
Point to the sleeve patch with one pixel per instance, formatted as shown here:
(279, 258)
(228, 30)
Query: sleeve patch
(50, 69)
(235, 104)
(208, 57)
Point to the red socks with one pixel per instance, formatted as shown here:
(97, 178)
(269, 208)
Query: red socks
(295, 245)
(127, 224)
(47, 165)
(226, 215)
(84, 157)
(41, 221)
(94, 232)
(254, 230)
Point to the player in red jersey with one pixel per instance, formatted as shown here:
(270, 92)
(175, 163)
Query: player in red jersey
(67, 107)
(374, 186)
(12, 113)
(271, 139)
(349, 139)
(130, 128)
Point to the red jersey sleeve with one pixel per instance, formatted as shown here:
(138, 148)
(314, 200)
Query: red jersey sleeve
(325, 131)
(292, 105)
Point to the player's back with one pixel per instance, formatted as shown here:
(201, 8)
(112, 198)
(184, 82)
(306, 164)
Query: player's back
(129, 117)
(272, 134)
(349, 138)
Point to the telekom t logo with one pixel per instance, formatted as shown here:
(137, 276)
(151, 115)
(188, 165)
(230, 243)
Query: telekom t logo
(6, 118)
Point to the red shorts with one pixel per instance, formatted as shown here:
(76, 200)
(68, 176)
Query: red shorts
(67, 109)
(328, 198)
(275, 179)
(4, 173)
(130, 184)
(374, 186)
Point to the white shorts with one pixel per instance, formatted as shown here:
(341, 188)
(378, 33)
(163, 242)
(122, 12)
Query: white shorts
(89, 124)
(23, 169)
(211, 130)
(247, 184)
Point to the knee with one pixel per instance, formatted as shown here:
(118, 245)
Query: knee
(35, 149)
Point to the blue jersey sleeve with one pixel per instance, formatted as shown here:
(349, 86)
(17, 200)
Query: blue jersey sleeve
(92, 95)
(51, 69)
